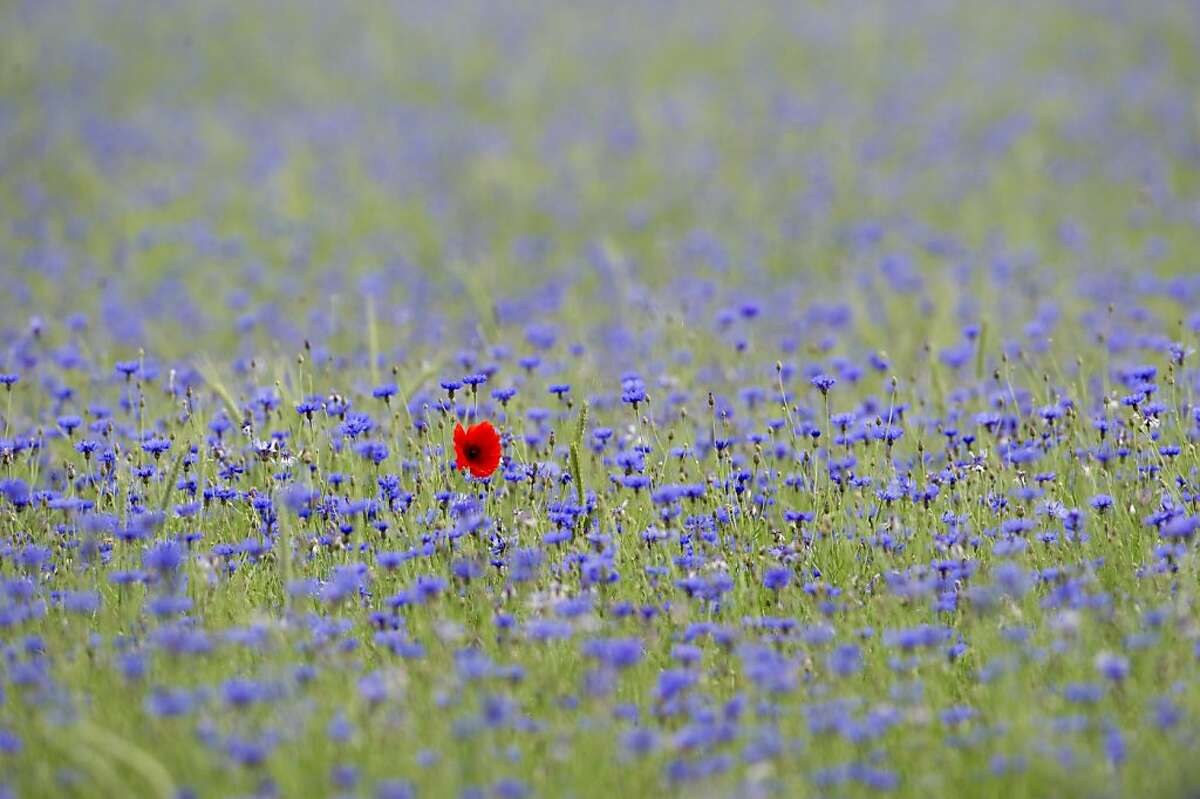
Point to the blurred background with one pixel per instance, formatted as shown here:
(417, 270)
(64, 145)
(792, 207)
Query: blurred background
(239, 176)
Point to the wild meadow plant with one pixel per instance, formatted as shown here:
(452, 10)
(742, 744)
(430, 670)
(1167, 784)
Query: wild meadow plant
(588, 399)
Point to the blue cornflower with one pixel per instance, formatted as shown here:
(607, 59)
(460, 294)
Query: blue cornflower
(169, 605)
(687, 654)
(82, 602)
(823, 382)
(618, 653)
(923, 635)
(339, 730)
(337, 406)
(165, 557)
(845, 660)
(308, 407)
(508, 788)
(167, 702)
(672, 682)
(16, 491)
(132, 666)
(389, 560)
(249, 752)
(156, 446)
(634, 395)
(344, 776)
(1114, 745)
(1180, 527)
(374, 451)
(385, 392)
(1112, 666)
(640, 741)
(394, 789)
(1083, 693)
(466, 569)
(239, 692)
(69, 423)
(777, 577)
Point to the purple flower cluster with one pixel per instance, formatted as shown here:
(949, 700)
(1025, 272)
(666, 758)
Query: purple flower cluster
(843, 362)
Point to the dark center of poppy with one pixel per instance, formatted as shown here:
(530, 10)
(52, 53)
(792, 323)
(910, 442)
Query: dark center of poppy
(472, 452)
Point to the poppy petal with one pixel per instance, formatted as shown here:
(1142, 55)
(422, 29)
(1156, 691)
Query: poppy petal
(481, 449)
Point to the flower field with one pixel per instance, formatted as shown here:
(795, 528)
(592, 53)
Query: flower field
(579, 399)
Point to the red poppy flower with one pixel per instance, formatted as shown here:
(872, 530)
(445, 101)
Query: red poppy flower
(477, 448)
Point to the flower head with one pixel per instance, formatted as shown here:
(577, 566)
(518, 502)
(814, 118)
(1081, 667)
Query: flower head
(477, 448)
